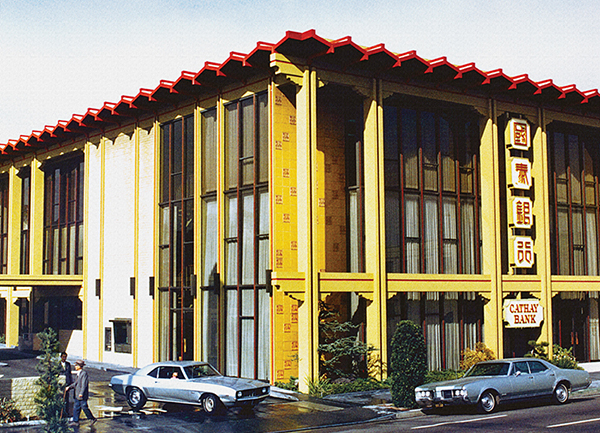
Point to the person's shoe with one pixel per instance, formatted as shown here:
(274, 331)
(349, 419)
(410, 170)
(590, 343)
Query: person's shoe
(93, 421)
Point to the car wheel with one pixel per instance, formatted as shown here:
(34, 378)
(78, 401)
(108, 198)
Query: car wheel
(136, 398)
(211, 404)
(561, 393)
(487, 402)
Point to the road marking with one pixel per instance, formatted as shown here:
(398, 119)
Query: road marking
(583, 421)
(458, 422)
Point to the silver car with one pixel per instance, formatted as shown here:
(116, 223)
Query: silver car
(488, 383)
(188, 382)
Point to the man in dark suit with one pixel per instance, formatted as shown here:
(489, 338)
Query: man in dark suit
(65, 370)
(81, 387)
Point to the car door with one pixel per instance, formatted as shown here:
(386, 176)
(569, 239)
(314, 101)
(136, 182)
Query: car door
(166, 385)
(521, 380)
(543, 378)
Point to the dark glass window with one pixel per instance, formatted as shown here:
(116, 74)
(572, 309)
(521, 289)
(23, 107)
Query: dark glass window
(3, 224)
(432, 189)
(122, 335)
(574, 169)
(246, 238)
(176, 245)
(25, 175)
(63, 217)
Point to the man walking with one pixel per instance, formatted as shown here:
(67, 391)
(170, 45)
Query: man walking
(81, 387)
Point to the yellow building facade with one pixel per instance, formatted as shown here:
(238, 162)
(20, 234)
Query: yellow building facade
(216, 216)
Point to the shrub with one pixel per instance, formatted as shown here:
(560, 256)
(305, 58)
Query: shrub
(408, 363)
(561, 357)
(473, 356)
(441, 375)
(8, 411)
(49, 398)
(341, 354)
(320, 387)
(291, 385)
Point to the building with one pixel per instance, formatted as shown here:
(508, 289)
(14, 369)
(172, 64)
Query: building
(208, 218)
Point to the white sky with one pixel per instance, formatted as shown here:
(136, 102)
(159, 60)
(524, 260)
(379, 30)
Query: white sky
(61, 57)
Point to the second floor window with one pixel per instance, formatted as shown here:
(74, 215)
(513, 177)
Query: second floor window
(432, 189)
(63, 217)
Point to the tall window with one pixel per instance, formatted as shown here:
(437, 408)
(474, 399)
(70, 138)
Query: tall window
(63, 217)
(25, 175)
(3, 224)
(176, 245)
(432, 190)
(210, 238)
(574, 169)
(246, 238)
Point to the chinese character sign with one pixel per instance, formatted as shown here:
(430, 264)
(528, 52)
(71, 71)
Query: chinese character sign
(523, 252)
(520, 173)
(522, 217)
(518, 134)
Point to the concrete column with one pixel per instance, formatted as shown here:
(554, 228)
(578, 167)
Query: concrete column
(36, 219)
(490, 230)
(375, 228)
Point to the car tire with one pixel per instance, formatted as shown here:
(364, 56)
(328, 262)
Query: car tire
(487, 402)
(561, 393)
(211, 404)
(136, 398)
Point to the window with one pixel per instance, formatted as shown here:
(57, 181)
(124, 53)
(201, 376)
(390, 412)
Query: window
(107, 339)
(63, 217)
(176, 245)
(25, 175)
(122, 333)
(536, 367)
(574, 170)
(432, 189)
(210, 237)
(247, 303)
(3, 224)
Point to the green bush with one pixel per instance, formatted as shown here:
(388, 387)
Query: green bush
(291, 385)
(320, 387)
(473, 356)
(442, 375)
(49, 398)
(408, 363)
(8, 411)
(561, 357)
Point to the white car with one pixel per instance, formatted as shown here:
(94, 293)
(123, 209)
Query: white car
(188, 382)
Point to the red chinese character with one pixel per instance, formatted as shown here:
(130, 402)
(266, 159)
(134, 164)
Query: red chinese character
(524, 252)
(522, 170)
(520, 136)
(523, 213)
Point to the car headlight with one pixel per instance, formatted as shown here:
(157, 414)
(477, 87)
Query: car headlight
(459, 392)
(239, 394)
(265, 390)
(423, 394)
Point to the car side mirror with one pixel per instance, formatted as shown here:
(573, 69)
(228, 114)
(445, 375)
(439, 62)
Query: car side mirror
(517, 373)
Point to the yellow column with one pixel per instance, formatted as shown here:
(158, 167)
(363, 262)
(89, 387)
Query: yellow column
(490, 230)
(541, 207)
(36, 219)
(14, 249)
(12, 319)
(14, 221)
(374, 229)
(308, 312)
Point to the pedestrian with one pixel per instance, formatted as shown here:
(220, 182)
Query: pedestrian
(66, 371)
(81, 387)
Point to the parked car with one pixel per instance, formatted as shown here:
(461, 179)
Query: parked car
(486, 384)
(188, 382)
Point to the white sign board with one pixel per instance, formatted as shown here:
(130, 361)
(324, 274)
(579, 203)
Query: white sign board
(523, 313)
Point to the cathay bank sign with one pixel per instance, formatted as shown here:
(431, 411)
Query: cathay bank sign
(523, 313)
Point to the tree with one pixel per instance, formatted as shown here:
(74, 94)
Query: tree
(341, 353)
(408, 363)
(49, 398)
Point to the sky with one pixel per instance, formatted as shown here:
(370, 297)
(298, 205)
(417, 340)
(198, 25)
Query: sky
(61, 57)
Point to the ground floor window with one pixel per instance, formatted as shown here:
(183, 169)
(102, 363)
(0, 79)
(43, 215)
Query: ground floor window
(451, 322)
(576, 324)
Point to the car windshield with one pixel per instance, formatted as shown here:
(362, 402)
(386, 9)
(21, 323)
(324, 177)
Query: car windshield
(200, 370)
(491, 369)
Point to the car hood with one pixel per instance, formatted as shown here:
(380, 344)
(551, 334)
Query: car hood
(456, 382)
(231, 382)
